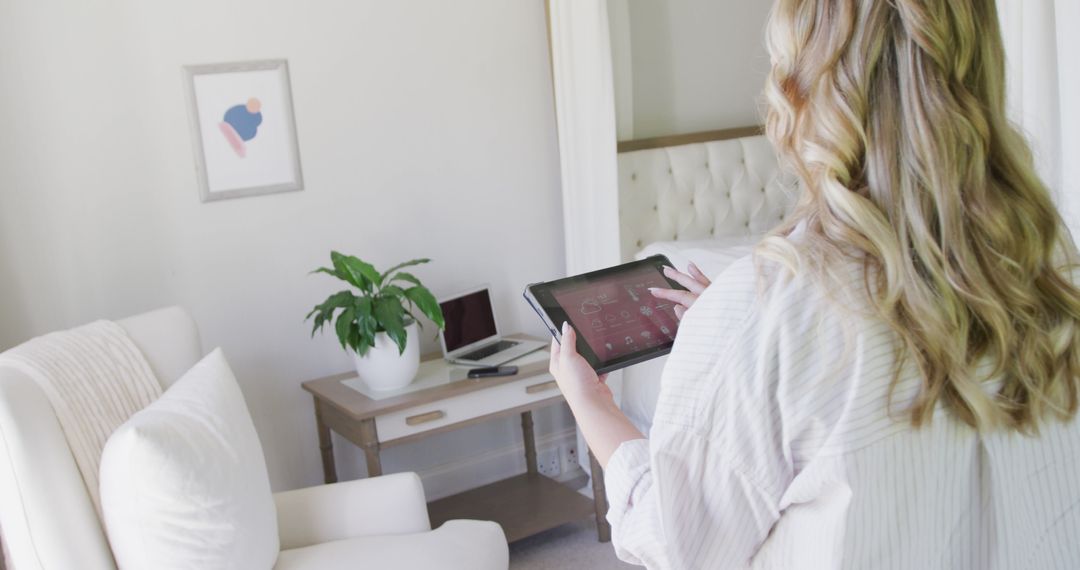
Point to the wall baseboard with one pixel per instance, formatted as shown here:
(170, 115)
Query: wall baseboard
(477, 470)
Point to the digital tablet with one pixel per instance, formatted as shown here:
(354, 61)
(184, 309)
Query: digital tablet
(617, 320)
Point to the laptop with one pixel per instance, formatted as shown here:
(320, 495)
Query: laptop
(471, 336)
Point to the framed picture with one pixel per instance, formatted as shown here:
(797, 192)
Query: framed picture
(243, 129)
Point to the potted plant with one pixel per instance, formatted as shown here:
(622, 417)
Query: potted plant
(375, 322)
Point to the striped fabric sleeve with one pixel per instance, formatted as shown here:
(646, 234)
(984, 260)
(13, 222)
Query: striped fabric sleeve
(627, 471)
(636, 532)
(677, 504)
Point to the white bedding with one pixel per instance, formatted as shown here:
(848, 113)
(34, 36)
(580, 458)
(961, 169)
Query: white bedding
(711, 256)
(641, 382)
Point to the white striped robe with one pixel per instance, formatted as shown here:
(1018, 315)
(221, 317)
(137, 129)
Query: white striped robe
(772, 447)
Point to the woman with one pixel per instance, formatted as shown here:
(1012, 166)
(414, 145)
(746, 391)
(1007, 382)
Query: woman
(891, 381)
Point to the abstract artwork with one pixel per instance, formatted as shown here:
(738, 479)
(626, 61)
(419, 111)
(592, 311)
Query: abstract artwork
(241, 123)
(243, 129)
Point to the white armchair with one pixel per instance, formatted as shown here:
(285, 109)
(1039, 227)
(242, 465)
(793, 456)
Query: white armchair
(382, 522)
(49, 522)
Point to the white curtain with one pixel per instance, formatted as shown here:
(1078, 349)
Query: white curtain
(622, 63)
(1042, 45)
(584, 101)
(585, 109)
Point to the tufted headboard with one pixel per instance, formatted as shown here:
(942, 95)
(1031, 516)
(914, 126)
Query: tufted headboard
(701, 190)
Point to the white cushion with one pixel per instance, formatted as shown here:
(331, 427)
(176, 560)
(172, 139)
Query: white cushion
(456, 545)
(47, 516)
(184, 482)
(168, 338)
(389, 504)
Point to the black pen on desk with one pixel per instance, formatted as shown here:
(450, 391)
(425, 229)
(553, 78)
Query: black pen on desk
(493, 371)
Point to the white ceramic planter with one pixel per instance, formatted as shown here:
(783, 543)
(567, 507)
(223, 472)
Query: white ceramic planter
(383, 369)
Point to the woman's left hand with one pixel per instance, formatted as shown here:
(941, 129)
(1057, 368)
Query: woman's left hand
(575, 376)
(604, 426)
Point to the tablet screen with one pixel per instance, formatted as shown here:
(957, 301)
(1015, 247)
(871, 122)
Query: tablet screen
(617, 315)
(617, 319)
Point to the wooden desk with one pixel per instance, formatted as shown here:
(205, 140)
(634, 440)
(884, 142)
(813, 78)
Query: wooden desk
(524, 505)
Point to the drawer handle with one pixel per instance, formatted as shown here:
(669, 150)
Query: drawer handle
(537, 388)
(425, 418)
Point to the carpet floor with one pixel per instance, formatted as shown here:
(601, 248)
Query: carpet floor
(566, 547)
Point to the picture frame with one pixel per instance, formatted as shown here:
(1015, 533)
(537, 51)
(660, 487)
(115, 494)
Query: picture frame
(243, 129)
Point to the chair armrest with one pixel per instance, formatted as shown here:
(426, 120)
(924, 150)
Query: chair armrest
(477, 545)
(391, 504)
(456, 545)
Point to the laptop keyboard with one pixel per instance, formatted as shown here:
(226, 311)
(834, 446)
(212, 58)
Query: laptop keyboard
(486, 351)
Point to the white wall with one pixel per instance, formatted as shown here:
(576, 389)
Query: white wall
(697, 65)
(426, 128)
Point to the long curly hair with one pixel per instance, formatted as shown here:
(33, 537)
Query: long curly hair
(892, 114)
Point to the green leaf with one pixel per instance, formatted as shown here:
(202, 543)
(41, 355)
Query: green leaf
(338, 300)
(354, 339)
(405, 276)
(389, 312)
(366, 325)
(409, 263)
(328, 271)
(355, 271)
(319, 321)
(427, 304)
(392, 290)
(362, 306)
(366, 319)
(343, 298)
(324, 312)
(344, 326)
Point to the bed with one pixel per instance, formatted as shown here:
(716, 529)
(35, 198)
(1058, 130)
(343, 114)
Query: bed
(707, 198)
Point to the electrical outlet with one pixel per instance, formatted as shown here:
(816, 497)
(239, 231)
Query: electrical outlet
(549, 462)
(569, 456)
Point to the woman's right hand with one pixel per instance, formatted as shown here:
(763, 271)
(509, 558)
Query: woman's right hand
(695, 282)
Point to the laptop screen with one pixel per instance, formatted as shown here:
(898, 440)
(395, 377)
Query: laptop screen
(469, 319)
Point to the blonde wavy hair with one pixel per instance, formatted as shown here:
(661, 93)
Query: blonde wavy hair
(892, 114)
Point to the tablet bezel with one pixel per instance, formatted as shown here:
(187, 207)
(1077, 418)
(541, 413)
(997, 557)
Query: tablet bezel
(543, 302)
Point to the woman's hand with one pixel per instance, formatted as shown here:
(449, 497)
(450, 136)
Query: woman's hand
(575, 376)
(602, 423)
(695, 282)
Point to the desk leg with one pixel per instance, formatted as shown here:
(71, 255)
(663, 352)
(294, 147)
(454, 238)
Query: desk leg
(530, 442)
(326, 446)
(603, 529)
(369, 441)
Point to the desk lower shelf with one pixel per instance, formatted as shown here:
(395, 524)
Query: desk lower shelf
(523, 505)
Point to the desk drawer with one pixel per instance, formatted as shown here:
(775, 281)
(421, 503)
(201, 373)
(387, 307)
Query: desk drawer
(434, 415)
